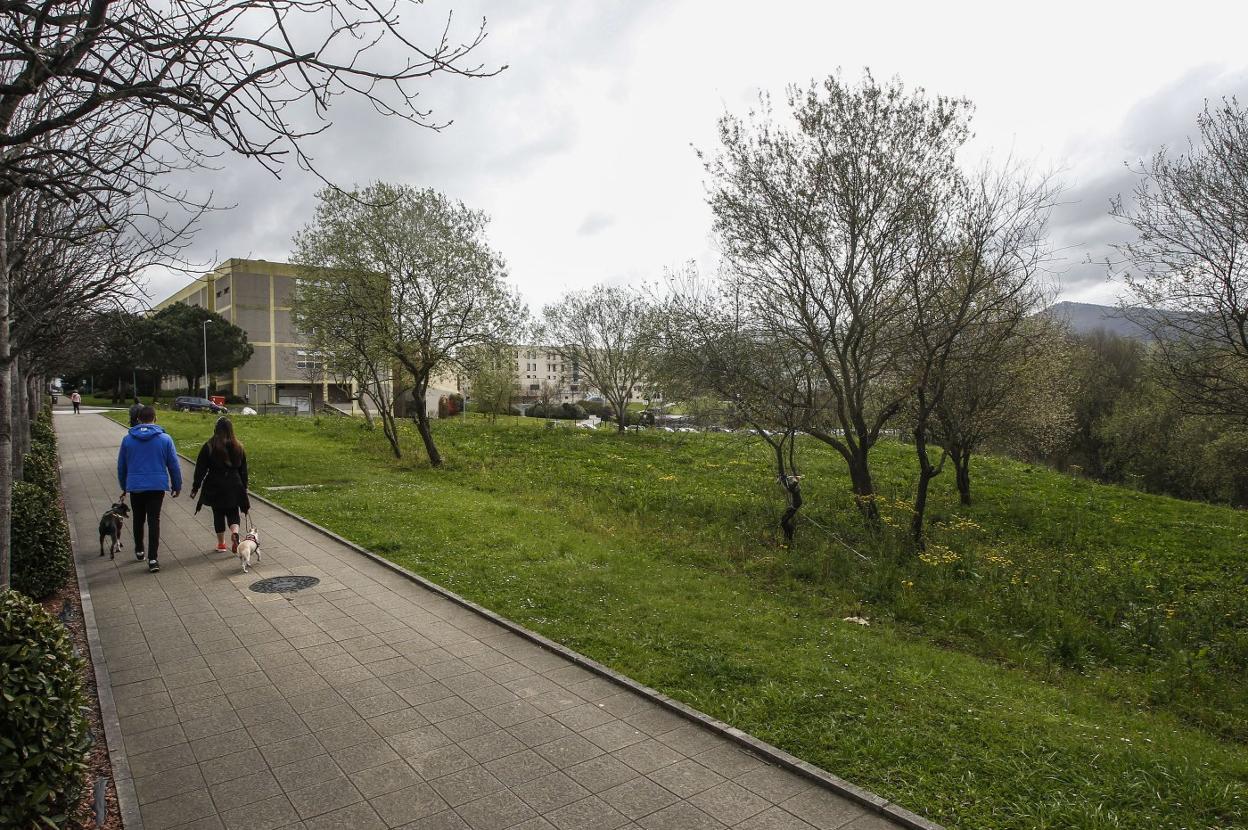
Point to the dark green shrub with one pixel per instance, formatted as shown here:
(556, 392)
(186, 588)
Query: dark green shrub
(40, 541)
(565, 411)
(39, 468)
(44, 735)
(41, 431)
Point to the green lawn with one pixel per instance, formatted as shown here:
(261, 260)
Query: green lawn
(1064, 655)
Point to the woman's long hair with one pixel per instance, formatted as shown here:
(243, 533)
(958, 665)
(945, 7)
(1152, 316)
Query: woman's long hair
(224, 447)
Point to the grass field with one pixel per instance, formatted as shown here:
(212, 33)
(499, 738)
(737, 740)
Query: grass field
(1064, 655)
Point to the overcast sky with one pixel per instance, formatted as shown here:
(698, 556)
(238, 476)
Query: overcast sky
(582, 151)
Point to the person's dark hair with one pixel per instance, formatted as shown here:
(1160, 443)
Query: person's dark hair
(147, 414)
(224, 447)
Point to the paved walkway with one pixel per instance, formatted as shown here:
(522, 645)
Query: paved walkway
(370, 701)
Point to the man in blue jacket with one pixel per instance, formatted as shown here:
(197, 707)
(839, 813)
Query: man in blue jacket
(147, 465)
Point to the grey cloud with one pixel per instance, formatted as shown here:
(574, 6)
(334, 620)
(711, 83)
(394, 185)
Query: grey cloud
(1081, 228)
(594, 223)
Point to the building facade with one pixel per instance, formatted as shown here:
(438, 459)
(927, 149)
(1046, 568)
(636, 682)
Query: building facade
(256, 295)
(541, 372)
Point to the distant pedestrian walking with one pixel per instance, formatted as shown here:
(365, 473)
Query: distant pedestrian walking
(221, 472)
(135, 408)
(147, 466)
(76, 400)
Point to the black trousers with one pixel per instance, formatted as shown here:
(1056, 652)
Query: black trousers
(220, 515)
(146, 507)
(76, 405)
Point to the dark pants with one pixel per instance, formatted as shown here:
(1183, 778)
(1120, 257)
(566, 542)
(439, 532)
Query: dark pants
(76, 405)
(146, 507)
(220, 515)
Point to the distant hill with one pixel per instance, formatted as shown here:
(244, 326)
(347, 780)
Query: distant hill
(1085, 318)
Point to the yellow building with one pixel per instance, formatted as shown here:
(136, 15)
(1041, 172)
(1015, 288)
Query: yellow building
(255, 295)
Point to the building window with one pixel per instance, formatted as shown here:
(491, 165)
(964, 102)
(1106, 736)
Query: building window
(533, 387)
(305, 359)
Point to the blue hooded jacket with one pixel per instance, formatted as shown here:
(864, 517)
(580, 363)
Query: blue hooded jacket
(148, 461)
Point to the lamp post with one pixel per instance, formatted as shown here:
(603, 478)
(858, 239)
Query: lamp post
(206, 322)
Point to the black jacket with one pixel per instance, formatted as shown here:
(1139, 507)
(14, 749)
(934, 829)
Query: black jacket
(220, 485)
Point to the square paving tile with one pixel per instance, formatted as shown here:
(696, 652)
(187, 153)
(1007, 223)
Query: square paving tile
(307, 772)
(601, 773)
(247, 789)
(491, 746)
(773, 818)
(324, 797)
(686, 778)
(495, 812)
(648, 755)
(568, 751)
(773, 783)
(408, 804)
(682, 816)
(263, 815)
(823, 809)
(466, 785)
(440, 761)
(550, 792)
(360, 816)
(234, 765)
(587, 814)
(372, 753)
(730, 803)
(638, 797)
(541, 731)
(386, 778)
(519, 767)
(168, 783)
(178, 809)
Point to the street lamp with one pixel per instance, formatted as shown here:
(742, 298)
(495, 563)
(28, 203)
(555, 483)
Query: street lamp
(206, 322)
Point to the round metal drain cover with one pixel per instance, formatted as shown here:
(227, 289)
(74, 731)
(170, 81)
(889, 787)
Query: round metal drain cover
(283, 584)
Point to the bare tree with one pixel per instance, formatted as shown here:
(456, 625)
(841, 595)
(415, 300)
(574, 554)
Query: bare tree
(423, 280)
(972, 282)
(608, 333)
(97, 96)
(818, 220)
(1011, 389)
(710, 345)
(1189, 261)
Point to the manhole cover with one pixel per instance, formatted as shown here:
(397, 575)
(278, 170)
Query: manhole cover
(283, 584)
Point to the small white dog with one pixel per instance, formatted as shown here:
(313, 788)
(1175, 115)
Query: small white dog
(248, 547)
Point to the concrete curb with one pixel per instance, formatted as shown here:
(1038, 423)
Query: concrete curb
(775, 755)
(123, 780)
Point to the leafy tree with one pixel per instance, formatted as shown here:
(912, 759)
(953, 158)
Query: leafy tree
(176, 341)
(421, 278)
(609, 334)
(819, 218)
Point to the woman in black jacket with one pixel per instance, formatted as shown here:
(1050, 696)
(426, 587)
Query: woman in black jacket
(221, 472)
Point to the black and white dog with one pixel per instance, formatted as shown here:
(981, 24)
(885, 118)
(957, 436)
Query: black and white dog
(110, 527)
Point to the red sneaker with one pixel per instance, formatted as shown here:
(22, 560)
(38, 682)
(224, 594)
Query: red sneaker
(221, 548)
(234, 543)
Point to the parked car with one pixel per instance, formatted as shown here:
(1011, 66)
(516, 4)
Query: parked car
(189, 403)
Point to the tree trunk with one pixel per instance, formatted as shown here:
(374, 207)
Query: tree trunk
(426, 434)
(864, 487)
(6, 424)
(17, 407)
(392, 434)
(962, 467)
(621, 415)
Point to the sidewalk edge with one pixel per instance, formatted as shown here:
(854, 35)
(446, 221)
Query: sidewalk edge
(123, 781)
